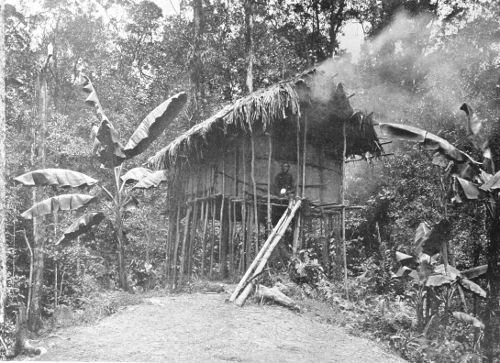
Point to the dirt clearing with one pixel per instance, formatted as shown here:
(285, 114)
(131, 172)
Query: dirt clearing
(203, 328)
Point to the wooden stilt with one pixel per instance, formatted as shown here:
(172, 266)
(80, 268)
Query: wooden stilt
(173, 283)
(204, 236)
(168, 247)
(244, 223)
(298, 158)
(192, 239)
(342, 202)
(296, 247)
(249, 236)
(254, 184)
(223, 224)
(184, 250)
(212, 241)
(230, 241)
(304, 157)
(269, 163)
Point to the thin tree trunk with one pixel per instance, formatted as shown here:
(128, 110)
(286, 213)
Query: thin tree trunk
(196, 63)
(3, 242)
(119, 231)
(491, 332)
(34, 318)
(184, 243)
(249, 42)
(56, 221)
(254, 185)
(342, 202)
(269, 162)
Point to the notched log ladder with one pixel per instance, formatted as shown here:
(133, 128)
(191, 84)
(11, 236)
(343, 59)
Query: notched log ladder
(246, 284)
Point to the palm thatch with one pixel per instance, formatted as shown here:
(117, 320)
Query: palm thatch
(325, 105)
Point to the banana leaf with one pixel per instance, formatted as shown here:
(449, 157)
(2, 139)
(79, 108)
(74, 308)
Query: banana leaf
(81, 226)
(474, 272)
(428, 140)
(492, 183)
(136, 174)
(107, 143)
(400, 256)
(473, 287)
(471, 190)
(452, 271)
(403, 271)
(59, 177)
(154, 124)
(55, 204)
(153, 180)
(439, 280)
(473, 122)
(469, 319)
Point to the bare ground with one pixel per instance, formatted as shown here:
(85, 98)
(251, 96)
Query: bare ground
(203, 328)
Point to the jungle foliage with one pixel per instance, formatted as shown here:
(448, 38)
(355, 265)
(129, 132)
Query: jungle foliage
(416, 69)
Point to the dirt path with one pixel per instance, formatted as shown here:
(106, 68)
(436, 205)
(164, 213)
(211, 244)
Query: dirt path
(202, 328)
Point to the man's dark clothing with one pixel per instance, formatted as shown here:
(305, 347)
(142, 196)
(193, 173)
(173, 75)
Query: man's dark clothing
(283, 181)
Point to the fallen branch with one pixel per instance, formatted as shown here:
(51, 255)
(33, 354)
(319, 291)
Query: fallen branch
(262, 292)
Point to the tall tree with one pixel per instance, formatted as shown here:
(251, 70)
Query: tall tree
(196, 64)
(3, 242)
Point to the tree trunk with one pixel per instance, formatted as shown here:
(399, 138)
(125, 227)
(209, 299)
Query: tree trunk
(34, 314)
(249, 42)
(196, 64)
(3, 247)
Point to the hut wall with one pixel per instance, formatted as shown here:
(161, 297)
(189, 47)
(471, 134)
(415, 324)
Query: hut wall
(323, 176)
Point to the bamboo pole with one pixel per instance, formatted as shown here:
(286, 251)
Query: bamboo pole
(342, 202)
(273, 241)
(56, 267)
(304, 157)
(296, 236)
(176, 246)
(222, 250)
(185, 237)
(168, 247)
(298, 157)
(260, 254)
(204, 214)
(269, 161)
(230, 242)
(192, 239)
(254, 184)
(249, 236)
(244, 207)
(212, 240)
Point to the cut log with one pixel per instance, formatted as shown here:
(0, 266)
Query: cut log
(274, 294)
(266, 251)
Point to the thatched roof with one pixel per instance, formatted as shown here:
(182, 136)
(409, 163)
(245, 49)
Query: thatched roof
(312, 96)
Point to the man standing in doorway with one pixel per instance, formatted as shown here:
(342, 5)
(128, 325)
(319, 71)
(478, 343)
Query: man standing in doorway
(284, 181)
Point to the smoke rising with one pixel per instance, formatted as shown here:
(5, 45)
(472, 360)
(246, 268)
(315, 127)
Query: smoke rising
(411, 73)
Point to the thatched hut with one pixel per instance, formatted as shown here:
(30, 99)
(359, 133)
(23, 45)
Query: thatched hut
(223, 188)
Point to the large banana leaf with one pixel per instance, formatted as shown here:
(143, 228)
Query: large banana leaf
(430, 242)
(154, 124)
(59, 177)
(469, 319)
(136, 174)
(152, 180)
(470, 189)
(107, 145)
(472, 286)
(81, 226)
(55, 204)
(428, 140)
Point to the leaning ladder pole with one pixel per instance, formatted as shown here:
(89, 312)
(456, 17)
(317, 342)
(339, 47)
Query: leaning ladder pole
(258, 257)
(290, 214)
(266, 250)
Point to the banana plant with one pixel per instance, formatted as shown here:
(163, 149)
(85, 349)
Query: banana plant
(476, 181)
(431, 279)
(112, 154)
